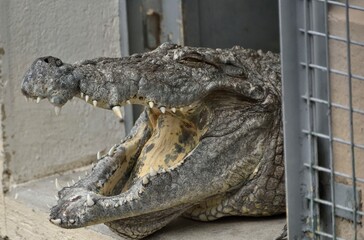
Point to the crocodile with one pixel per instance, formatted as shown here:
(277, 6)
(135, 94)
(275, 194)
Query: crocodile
(208, 144)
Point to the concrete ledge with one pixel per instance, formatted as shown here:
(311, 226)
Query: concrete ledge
(27, 218)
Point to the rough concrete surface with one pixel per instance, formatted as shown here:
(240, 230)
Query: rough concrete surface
(2, 200)
(36, 142)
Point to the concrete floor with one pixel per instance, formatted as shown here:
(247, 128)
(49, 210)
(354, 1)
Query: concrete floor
(229, 228)
(40, 195)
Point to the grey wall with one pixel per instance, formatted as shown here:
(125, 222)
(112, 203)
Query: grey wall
(36, 142)
(223, 24)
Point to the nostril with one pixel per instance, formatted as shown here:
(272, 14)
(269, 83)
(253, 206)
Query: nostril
(24, 91)
(53, 61)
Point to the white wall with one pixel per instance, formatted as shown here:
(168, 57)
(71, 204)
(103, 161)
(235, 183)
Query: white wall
(36, 142)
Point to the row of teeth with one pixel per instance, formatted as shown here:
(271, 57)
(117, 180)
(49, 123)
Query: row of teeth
(117, 109)
(152, 171)
(90, 202)
(145, 180)
(110, 153)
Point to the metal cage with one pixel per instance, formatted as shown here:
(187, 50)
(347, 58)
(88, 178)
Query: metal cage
(322, 47)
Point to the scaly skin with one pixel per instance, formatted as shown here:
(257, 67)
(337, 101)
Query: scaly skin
(208, 145)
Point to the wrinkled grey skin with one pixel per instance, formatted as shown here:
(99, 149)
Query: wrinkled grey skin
(232, 96)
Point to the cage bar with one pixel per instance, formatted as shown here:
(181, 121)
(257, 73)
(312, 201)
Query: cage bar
(323, 198)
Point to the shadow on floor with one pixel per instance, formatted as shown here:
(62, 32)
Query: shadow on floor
(242, 228)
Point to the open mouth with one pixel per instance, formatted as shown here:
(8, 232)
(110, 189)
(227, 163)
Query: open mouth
(168, 137)
(208, 144)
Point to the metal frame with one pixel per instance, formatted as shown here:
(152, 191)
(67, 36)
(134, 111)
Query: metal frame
(223, 24)
(315, 199)
(124, 49)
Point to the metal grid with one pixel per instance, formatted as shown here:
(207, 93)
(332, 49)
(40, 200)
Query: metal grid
(325, 201)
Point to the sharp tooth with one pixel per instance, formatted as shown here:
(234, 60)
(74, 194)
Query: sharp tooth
(26, 99)
(111, 151)
(117, 111)
(145, 180)
(73, 182)
(94, 102)
(71, 221)
(38, 99)
(163, 109)
(57, 198)
(98, 156)
(152, 172)
(174, 110)
(87, 98)
(82, 95)
(58, 187)
(79, 178)
(68, 184)
(151, 104)
(89, 201)
(57, 110)
(116, 205)
(128, 102)
(56, 221)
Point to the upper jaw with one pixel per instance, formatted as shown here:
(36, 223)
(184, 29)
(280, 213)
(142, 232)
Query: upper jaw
(139, 100)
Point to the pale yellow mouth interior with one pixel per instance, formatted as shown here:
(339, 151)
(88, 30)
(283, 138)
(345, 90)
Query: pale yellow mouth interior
(172, 139)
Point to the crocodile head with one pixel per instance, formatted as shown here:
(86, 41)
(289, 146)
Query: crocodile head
(208, 144)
